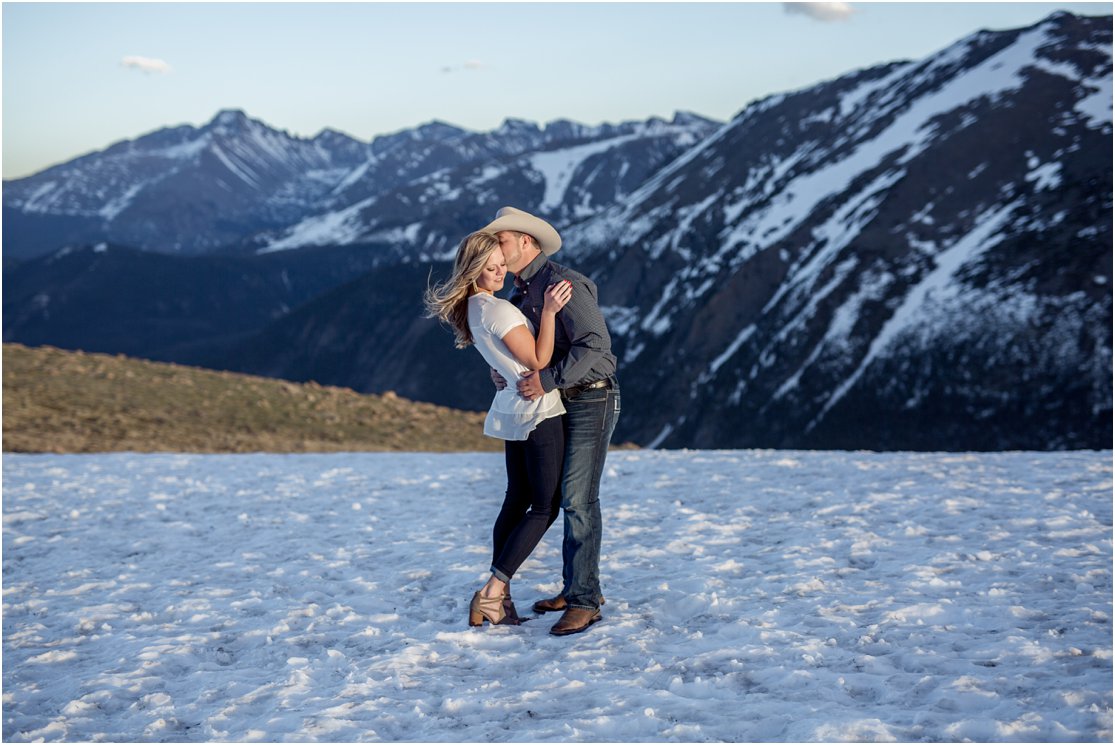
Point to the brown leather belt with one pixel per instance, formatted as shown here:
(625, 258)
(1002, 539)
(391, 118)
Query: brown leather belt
(576, 390)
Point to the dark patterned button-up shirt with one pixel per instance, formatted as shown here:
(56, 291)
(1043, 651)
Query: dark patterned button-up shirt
(582, 344)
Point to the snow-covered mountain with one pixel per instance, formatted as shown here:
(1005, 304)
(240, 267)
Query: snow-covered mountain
(455, 182)
(914, 250)
(394, 160)
(179, 190)
(237, 181)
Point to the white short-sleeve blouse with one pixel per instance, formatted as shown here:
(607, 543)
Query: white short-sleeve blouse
(511, 417)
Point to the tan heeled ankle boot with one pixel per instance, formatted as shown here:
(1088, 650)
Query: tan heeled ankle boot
(492, 609)
(509, 609)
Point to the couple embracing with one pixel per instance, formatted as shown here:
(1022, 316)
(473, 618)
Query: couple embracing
(556, 405)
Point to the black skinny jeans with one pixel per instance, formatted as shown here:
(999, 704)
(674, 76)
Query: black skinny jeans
(534, 468)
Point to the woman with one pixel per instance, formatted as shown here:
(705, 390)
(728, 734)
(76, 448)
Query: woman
(534, 437)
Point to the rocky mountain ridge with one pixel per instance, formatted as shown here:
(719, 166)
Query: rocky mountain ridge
(238, 183)
(565, 171)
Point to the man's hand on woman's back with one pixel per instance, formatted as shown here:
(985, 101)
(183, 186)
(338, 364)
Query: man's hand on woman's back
(498, 380)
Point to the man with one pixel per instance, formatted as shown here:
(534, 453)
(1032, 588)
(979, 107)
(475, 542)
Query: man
(583, 369)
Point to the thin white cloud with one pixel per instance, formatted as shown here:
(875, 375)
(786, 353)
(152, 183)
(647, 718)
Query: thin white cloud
(145, 64)
(821, 11)
(469, 65)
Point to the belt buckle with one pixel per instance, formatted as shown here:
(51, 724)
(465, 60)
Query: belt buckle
(575, 390)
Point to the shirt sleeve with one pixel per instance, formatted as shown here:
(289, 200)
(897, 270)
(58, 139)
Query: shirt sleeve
(589, 340)
(500, 317)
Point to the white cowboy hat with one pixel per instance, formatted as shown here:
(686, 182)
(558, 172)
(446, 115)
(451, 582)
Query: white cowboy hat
(509, 218)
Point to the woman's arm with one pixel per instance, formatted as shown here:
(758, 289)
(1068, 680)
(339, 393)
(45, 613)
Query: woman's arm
(535, 353)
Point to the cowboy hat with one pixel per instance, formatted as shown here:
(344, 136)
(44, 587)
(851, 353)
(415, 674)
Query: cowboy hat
(509, 218)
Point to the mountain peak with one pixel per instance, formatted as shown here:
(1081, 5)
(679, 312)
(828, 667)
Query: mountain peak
(333, 135)
(437, 129)
(230, 116)
(229, 121)
(511, 125)
(1060, 15)
(686, 118)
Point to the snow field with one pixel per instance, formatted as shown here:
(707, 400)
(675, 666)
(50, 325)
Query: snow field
(751, 596)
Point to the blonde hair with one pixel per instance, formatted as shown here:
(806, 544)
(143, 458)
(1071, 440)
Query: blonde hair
(448, 301)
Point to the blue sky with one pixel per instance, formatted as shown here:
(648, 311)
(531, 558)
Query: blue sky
(79, 76)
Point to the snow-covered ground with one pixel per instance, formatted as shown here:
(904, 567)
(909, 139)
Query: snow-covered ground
(751, 596)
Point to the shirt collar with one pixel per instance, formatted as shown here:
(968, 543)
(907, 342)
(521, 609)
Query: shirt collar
(527, 273)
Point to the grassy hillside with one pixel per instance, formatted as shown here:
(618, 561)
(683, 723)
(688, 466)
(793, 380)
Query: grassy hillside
(58, 401)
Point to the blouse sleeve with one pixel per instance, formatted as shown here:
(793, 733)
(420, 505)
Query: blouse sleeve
(501, 317)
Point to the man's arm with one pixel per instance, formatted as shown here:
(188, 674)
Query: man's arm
(589, 340)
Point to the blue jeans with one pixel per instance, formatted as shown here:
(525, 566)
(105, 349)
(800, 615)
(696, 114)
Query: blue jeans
(590, 420)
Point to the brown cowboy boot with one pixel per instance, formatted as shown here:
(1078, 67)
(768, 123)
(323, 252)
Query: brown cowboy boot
(554, 604)
(575, 620)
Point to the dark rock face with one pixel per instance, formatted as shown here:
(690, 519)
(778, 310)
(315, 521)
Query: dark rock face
(108, 298)
(370, 335)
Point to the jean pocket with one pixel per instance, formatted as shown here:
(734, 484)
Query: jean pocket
(611, 413)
